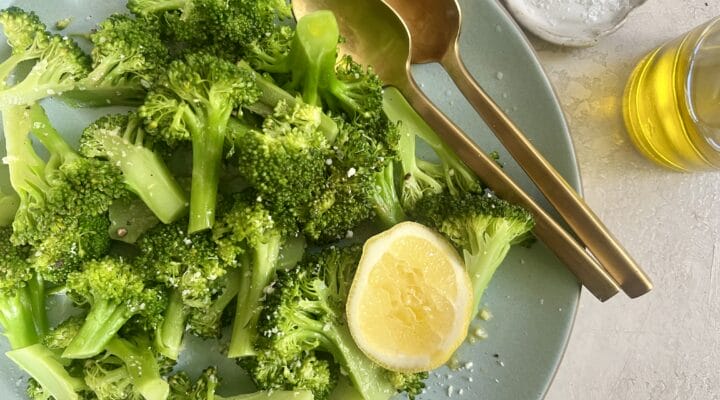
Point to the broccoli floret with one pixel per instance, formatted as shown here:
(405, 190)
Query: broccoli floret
(361, 181)
(304, 372)
(189, 266)
(115, 291)
(422, 177)
(284, 161)
(63, 202)
(207, 23)
(193, 101)
(120, 139)
(126, 55)
(26, 35)
(248, 235)
(59, 62)
(128, 370)
(181, 388)
(410, 383)
(304, 313)
(483, 226)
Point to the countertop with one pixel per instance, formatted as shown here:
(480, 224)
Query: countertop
(666, 344)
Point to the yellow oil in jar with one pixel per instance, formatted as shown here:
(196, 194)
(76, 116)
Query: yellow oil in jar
(672, 102)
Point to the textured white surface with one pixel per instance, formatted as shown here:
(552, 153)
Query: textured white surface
(666, 344)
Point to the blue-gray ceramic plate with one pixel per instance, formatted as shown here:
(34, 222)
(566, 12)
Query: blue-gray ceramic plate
(533, 298)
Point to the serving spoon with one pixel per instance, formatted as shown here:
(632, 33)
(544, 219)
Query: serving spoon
(374, 35)
(434, 27)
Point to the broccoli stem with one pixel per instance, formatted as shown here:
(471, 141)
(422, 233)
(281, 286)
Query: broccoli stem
(48, 135)
(26, 167)
(101, 324)
(271, 395)
(271, 94)
(169, 334)
(45, 79)
(142, 367)
(37, 296)
(385, 199)
(264, 264)
(315, 48)
(9, 204)
(207, 145)
(398, 109)
(117, 95)
(368, 378)
(483, 260)
(17, 318)
(146, 174)
(46, 368)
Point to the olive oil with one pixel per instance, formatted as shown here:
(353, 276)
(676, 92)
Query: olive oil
(672, 102)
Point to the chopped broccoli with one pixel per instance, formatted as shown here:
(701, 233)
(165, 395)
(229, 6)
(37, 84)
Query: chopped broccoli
(27, 37)
(126, 369)
(138, 366)
(483, 226)
(46, 368)
(304, 314)
(193, 101)
(420, 176)
(204, 388)
(31, 351)
(188, 265)
(120, 139)
(284, 161)
(115, 291)
(248, 235)
(63, 202)
(216, 24)
(59, 62)
(22, 295)
(126, 55)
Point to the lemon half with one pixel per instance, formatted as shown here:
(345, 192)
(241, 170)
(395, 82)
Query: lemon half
(411, 300)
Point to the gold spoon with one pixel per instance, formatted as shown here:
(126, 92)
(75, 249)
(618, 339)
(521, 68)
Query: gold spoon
(435, 29)
(375, 35)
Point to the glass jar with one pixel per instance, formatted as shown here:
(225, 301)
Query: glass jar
(672, 101)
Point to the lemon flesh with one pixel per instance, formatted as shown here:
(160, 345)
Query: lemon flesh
(410, 303)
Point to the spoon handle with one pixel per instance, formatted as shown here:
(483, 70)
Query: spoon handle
(579, 217)
(560, 242)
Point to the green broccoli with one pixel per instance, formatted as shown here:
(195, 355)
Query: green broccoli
(126, 55)
(22, 294)
(204, 388)
(483, 226)
(58, 61)
(285, 160)
(198, 281)
(422, 177)
(121, 140)
(304, 314)
(63, 201)
(126, 369)
(193, 101)
(24, 321)
(27, 36)
(222, 25)
(115, 291)
(248, 235)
